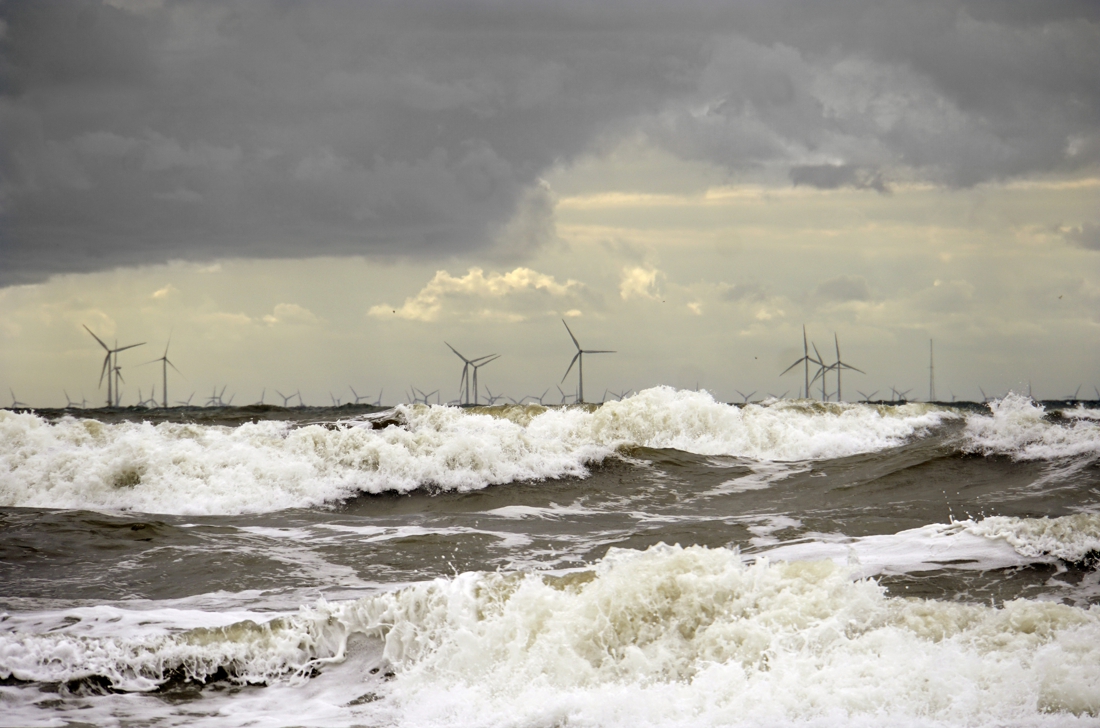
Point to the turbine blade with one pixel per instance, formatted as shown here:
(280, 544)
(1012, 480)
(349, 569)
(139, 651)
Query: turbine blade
(574, 338)
(575, 357)
(96, 338)
(131, 346)
(456, 353)
(792, 366)
(599, 351)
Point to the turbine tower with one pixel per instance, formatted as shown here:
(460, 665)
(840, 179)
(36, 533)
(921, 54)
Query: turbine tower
(165, 363)
(932, 374)
(839, 366)
(579, 357)
(806, 359)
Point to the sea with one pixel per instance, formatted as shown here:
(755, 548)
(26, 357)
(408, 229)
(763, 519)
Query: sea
(663, 560)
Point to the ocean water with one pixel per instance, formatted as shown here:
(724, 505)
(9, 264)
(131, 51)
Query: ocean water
(666, 560)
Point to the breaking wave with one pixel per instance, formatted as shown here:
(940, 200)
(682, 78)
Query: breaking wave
(266, 466)
(666, 636)
(1021, 428)
(993, 542)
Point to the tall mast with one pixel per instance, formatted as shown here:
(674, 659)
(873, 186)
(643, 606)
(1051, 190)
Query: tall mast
(931, 372)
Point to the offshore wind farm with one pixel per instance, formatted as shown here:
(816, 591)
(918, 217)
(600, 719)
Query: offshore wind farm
(466, 364)
(470, 392)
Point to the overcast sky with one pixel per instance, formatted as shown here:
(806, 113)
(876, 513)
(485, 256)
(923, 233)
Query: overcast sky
(316, 195)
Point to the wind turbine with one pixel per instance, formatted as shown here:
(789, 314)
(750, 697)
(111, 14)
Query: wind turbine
(186, 402)
(533, 397)
(464, 381)
(579, 357)
(867, 397)
(822, 368)
(285, 397)
(1075, 393)
(477, 364)
(493, 398)
(110, 367)
(564, 396)
(745, 397)
(360, 397)
(900, 396)
(263, 394)
(806, 359)
(841, 365)
(781, 396)
(69, 404)
(165, 363)
(15, 403)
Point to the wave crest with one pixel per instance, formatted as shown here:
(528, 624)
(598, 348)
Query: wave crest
(266, 466)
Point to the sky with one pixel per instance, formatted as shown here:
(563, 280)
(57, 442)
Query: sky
(317, 196)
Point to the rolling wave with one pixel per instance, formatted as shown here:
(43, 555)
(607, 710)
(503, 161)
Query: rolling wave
(186, 468)
(665, 636)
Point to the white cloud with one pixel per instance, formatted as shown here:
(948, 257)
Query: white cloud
(430, 302)
(290, 313)
(638, 282)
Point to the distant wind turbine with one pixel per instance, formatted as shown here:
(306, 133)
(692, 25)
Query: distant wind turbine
(867, 397)
(165, 363)
(286, 398)
(534, 398)
(564, 396)
(841, 365)
(186, 402)
(361, 397)
(15, 403)
(1075, 393)
(578, 359)
(464, 381)
(806, 359)
(781, 396)
(111, 368)
(745, 397)
(69, 404)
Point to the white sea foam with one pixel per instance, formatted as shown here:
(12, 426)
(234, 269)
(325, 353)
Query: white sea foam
(669, 636)
(1018, 427)
(267, 466)
(995, 542)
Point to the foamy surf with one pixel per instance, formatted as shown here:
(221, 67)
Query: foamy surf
(669, 636)
(268, 466)
(1020, 428)
(994, 542)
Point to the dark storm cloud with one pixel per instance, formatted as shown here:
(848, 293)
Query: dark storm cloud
(143, 133)
(835, 176)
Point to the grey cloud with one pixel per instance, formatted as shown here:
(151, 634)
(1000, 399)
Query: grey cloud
(834, 176)
(272, 129)
(743, 292)
(843, 288)
(1086, 236)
